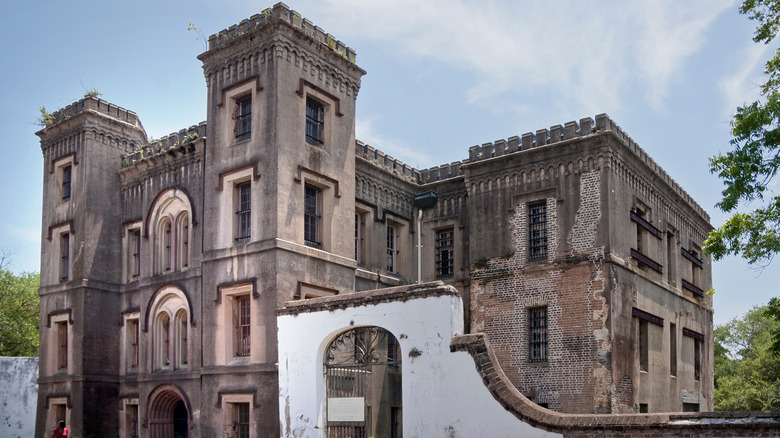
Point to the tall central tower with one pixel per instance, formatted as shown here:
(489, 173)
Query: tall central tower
(279, 192)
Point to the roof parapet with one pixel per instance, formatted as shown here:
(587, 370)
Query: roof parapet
(281, 12)
(171, 143)
(386, 162)
(94, 104)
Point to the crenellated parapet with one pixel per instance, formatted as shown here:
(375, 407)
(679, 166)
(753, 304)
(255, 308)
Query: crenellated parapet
(281, 12)
(172, 144)
(572, 130)
(386, 162)
(93, 104)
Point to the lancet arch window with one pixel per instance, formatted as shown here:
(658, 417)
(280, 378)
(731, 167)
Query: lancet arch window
(171, 227)
(170, 317)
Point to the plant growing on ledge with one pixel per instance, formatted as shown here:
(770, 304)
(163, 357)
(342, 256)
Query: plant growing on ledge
(92, 93)
(45, 119)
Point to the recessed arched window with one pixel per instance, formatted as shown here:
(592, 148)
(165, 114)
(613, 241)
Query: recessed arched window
(169, 312)
(170, 221)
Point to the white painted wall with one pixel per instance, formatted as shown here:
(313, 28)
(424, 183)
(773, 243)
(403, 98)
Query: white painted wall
(19, 383)
(443, 395)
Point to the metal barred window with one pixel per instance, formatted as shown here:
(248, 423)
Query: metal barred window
(243, 337)
(135, 244)
(444, 253)
(315, 122)
(243, 117)
(537, 334)
(64, 257)
(241, 419)
(66, 179)
(311, 216)
(244, 212)
(537, 231)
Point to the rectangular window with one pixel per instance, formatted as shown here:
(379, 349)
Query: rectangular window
(66, 179)
(132, 331)
(315, 122)
(643, 347)
(131, 412)
(444, 253)
(62, 345)
(311, 216)
(64, 257)
(643, 408)
(244, 211)
(690, 407)
(167, 249)
(135, 252)
(243, 117)
(243, 338)
(241, 419)
(671, 262)
(359, 232)
(672, 349)
(391, 248)
(537, 334)
(537, 231)
(697, 359)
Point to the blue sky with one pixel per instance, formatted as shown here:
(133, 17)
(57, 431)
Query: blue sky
(442, 76)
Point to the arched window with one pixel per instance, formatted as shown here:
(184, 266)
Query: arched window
(170, 314)
(171, 223)
(183, 239)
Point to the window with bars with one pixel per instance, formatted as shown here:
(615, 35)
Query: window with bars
(243, 338)
(62, 345)
(66, 179)
(241, 419)
(243, 117)
(359, 233)
(391, 248)
(315, 122)
(444, 253)
(135, 253)
(132, 329)
(243, 211)
(311, 216)
(537, 231)
(167, 246)
(537, 334)
(64, 257)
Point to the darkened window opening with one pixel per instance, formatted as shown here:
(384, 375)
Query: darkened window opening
(243, 337)
(244, 212)
(66, 179)
(391, 250)
(315, 122)
(311, 216)
(62, 341)
(243, 117)
(241, 419)
(537, 322)
(64, 257)
(537, 231)
(445, 247)
(135, 244)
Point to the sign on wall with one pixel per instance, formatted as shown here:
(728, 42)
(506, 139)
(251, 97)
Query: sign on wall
(341, 409)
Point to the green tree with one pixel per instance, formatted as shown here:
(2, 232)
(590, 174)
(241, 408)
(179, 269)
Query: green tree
(18, 311)
(747, 375)
(749, 168)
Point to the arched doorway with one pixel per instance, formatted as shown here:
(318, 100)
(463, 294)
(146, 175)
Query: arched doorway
(363, 384)
(168, 416)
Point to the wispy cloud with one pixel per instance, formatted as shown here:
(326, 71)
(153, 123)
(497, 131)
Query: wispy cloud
(586, 53)
(365, 132)
(742, 86)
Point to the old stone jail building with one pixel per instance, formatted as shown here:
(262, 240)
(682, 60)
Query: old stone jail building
(165, 263)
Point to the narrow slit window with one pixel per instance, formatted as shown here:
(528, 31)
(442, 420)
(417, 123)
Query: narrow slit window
(243, 337)
(537, 231)
(66, 180)
(243, 117)
(315, 122)
(445, 249)
(311, 216)
(537, 334)
(243, 212)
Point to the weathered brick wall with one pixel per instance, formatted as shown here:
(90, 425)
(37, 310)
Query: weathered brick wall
(570, 282)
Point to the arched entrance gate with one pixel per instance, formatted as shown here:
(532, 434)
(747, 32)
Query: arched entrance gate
(167, 414)
(363, 384)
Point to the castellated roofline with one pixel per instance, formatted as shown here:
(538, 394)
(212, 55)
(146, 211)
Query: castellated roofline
(530, 140)
(280, 12)
(97, 105)
(180, 141)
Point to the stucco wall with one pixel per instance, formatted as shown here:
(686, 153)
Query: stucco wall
(18, 378)
(442, 393)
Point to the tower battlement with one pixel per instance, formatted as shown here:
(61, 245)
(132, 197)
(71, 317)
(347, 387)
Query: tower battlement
(94, 104)
(280, 12)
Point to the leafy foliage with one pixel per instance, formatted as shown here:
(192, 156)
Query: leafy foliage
(45, 119)
(747, 374)
(18, 311)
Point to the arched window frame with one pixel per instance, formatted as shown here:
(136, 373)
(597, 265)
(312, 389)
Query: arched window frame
(171, 220)
(171, 331)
